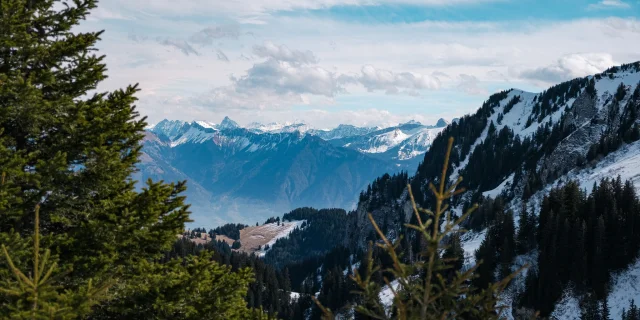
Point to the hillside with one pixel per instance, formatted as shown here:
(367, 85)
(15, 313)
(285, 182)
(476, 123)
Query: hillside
(525, 148)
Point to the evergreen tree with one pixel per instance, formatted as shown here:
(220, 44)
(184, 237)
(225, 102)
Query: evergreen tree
(523, 241)
(193, 288)
(590, 309)
(72, 153)
(632, 314)
(605, 314)
(454, 253)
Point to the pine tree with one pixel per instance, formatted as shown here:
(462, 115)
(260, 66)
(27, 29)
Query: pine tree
(72, 153)
(507, 245)
(632, 314)
(34, 294)
(524, 229)
(590, 309)
(455, 253)
(193, 288)
(605, 313)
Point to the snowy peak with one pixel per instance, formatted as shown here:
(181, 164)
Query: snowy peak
(411, 122)
(169, 129)
(406, 141)
(277, 127)
(402, 142)
(228, 124)
(342, 131)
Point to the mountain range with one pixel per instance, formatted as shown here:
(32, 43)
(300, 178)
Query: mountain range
(555, 175)
(240, 174)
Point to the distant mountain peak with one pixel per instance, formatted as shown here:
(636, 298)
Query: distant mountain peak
(227, 123)
(412, 122)
(442, 123)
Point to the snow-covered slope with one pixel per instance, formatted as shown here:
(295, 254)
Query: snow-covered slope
(584, 120)
(407, 141)
(523, 144)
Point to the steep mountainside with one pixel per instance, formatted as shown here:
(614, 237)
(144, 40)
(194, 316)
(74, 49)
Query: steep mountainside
(518, 146)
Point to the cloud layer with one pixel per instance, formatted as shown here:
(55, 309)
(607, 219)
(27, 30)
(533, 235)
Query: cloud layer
(330, 71)
(571, 66)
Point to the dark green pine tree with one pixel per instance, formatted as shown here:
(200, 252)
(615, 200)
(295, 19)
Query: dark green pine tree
(523, 244)
(599, 272)
(486, 254)
(578, 272)
(507, 245)
(590, 308)
(605, 313)
(454, 253)
(632, 314)
(72, 151)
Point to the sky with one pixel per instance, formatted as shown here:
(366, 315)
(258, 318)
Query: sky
(361, 62)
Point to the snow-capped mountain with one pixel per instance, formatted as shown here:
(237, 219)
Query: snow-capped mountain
(267, 169)
(277, 127)
(404, 143)
(343, 131)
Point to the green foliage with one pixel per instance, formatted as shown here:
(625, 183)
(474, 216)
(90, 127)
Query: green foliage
(621, 92)
(190, 288)
(581, 240)
(312, 239)
(72, 153)
(466, 131)
(230, 230)
(424, 291)
(34, 295)
(526, 238)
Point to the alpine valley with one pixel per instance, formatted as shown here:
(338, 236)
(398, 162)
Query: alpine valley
(247, 174)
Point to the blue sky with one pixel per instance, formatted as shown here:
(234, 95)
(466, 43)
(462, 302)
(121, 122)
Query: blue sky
(364, 62)
(492, 11)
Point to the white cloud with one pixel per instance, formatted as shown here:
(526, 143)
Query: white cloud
(609, 4)
(470, 85)
(228, 99)
(101, 13)
(374, 79)
(570, 66)
(282, 53)
(221, 56)
(404, 58)
(182, 45)
(283, 77)
(209, 34)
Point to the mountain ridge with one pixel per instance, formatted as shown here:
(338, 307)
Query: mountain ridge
(232, 167)
(521, 147)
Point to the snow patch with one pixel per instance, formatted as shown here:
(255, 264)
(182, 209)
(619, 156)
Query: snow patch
(498, 190)
(624, 287)
(386, 295)
(568, 308)
(471, 241)
(283, 233)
